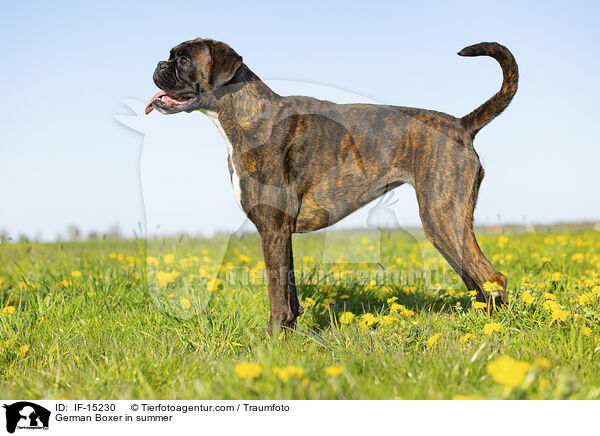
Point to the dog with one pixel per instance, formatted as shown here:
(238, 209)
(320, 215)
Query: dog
(299, 164)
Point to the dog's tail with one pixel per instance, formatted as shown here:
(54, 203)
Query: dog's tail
(489, 110)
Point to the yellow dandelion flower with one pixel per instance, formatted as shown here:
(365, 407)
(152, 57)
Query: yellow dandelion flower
(402, 309)
(557, 276)
(367, 319)
(552, 305)
(309, 302)
(560, 315)
(91, 294)
(164, 278)
(184, 263)
(508, 371)
(549, 296)
(112, 255)
(466, 338)
(491, 288)
(578, 257)
(244, 258)
(433, 340)
(399, 260)
(586, 331)
(8, 310)
(527, 298)
(586, 298)
(287, 372)
(502, 240)
(544, 383)
(346, 317)
(169, 258)
(468, 397)
(479, 305)
(23, 349)
(364, 240)
(391, 300)
(185, 303)
(492, 327)
(334, 371)
(542, 362)
(247, 370)
(308, 259)
(28, 286)
(388, 320)
(472, 293)
(214, 284)
(76, 274)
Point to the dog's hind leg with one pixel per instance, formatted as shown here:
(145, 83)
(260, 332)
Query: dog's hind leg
(447, 198)
(294, 302)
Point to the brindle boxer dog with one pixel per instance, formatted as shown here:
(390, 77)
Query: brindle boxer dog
(299, 164)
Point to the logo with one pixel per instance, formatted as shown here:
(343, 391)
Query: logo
(26, 415)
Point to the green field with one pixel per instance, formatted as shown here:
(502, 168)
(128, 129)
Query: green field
(126, 319)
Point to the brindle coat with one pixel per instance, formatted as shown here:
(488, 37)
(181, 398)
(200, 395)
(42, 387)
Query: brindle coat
(300, 164)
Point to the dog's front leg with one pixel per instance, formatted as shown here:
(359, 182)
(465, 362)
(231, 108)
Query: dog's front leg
(277, 249)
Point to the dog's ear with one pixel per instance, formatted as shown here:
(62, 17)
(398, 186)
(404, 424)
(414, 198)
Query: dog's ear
(224, 63)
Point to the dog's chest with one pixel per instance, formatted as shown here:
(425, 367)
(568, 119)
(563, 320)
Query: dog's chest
(235, 179)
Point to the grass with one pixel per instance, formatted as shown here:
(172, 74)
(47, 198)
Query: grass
(125, 319)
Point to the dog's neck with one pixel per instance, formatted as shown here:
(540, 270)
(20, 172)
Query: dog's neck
(244, 106)
(244, 76)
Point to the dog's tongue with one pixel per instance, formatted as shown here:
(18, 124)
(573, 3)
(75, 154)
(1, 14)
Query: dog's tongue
(166, 99)
(150, 108)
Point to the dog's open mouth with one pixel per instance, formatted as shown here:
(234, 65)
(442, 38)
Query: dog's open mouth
(167, 100)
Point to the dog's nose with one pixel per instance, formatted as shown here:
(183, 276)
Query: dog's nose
(161, 66)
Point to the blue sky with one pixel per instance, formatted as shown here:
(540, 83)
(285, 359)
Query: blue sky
(68, 65)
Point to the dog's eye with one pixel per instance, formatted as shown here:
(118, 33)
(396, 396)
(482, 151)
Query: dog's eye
(184, 61)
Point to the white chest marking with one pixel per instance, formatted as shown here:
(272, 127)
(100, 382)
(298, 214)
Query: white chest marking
(235, 180)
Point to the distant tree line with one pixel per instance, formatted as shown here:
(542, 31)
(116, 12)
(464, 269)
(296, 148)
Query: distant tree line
(72, 233)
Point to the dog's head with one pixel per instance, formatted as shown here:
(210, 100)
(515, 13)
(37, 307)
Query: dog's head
(194, 69)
